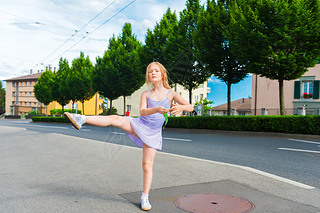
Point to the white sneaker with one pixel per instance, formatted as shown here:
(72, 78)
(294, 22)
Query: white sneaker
(76, 119)
(145, 205)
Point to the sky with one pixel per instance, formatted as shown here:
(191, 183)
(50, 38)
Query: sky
(36, 33)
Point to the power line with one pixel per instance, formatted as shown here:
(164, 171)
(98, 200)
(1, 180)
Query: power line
(95, 29)
(77, 31)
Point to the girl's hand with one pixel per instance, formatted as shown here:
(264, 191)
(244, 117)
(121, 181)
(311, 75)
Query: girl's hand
(176, 109)
(163, 110)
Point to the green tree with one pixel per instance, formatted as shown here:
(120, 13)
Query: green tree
(43, 88)
(79, 80)
(122, 61)
(186, 69)
(124, 57)
(156, 41)
(276, 39)
(213, 47)
(204, 103)
(106, 78)
(59, 90)
(2, 99)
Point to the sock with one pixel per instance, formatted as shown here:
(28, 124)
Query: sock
(83, 119)
(144, 196)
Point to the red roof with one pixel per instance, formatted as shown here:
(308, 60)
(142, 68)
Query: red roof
(26, 77)
(242, 104)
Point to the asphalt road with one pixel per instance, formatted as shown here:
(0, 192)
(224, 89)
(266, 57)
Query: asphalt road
(295, 157)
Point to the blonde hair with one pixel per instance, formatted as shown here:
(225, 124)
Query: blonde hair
(164, 75)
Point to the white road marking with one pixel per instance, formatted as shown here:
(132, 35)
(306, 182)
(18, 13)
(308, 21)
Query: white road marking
(303, 141)
(53, 127)
(24, 129)
(118, 133)
(177, 139)
(299, 150)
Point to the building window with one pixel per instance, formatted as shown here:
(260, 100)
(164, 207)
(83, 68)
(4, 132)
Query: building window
(307, 87)
(30, 83)
(13, 84)
(13, 94)
(25, 103)
(129, 108)
(12, 103)
(30, 93)
(25, 83)
(25, 94)
(35, 104)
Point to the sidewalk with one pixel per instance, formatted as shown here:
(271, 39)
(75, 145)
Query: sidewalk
(58, 173)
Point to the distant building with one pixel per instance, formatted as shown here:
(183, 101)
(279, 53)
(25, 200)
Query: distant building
(238, 107)
(265, 94)
(20, 98)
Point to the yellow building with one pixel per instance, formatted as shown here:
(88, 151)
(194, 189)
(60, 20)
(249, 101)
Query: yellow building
(20, 98)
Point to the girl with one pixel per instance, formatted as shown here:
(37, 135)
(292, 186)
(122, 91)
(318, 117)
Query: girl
(146, 130)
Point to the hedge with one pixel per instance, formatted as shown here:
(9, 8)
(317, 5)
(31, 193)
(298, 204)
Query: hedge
(59, 111)
(50, 119)
(294, 124)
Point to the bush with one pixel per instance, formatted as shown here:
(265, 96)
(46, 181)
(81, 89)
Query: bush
(282, 124)
(106, 111)
(59, 111)
(50, 119)
(34, 112)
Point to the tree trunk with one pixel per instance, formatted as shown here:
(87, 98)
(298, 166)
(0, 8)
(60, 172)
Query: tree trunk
(124, 105)
(229, 99)
(96, 106)
(190, 96)
(82, 107)
(110, 107)
(281, 101)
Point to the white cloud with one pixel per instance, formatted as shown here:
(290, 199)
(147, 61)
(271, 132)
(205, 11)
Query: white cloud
(31, 30)
(215, 80)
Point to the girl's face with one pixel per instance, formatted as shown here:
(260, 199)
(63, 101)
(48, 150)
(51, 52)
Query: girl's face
(154, 73)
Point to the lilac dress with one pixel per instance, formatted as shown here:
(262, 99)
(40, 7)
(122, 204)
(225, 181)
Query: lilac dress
(149, 128)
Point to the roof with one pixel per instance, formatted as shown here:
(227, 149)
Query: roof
(26, 77)
(242, 104)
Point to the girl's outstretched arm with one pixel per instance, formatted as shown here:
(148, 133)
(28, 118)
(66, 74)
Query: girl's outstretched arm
(144, 111)
(182, 105)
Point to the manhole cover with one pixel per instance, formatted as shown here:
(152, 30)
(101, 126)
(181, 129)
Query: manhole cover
(212, 203)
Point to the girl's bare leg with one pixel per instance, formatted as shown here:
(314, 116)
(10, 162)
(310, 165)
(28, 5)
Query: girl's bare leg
(114, 120)
(147, 164)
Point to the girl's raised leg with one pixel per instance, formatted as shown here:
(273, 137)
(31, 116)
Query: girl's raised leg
(114, 120)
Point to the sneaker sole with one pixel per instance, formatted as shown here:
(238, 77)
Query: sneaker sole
(67, 116)
(146, 209)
